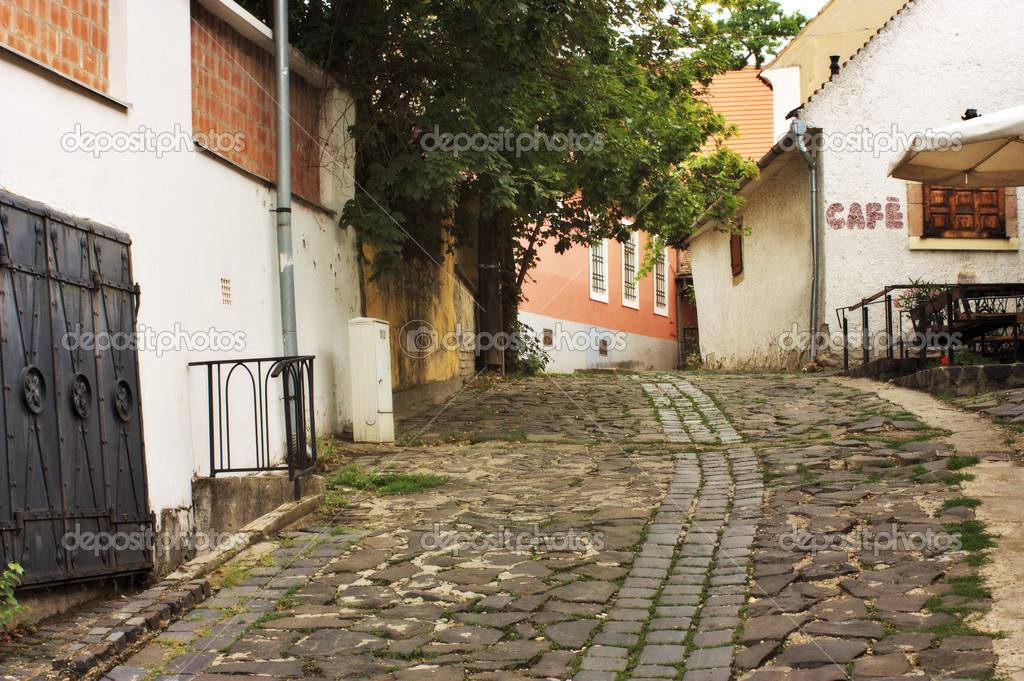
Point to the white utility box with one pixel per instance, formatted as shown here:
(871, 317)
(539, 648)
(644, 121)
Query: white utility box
(369, 349)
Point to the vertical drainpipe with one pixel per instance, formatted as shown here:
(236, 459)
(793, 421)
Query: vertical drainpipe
(286, 276)
(798, 129)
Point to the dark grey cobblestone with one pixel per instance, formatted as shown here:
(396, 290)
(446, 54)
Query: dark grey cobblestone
(686, 539)
(671, 644)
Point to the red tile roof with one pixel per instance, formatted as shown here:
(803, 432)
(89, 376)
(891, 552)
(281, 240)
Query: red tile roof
(744, 100)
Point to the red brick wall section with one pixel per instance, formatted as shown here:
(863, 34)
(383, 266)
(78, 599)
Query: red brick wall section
(233, 93)
(69, 36)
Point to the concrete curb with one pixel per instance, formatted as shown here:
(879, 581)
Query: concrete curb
(258, 530)
(177, 600)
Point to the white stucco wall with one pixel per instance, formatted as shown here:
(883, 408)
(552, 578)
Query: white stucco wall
(785, 96)
(193, 220)
(577, 346)
(934, 61)
(742, 318)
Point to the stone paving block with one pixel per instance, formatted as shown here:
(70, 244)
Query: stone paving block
(571, 634)
(662, 654)
(594, 676)
(675, 636)
(707, 658)
(675, 611)
(710, 639)
(603, 664)
(712, 623)
(554, 663)
(718, 674)
(660, 623)
(611, 639)
(628, 614)
(191, 663)
(683, 589)
(127, 673)
(654, 671)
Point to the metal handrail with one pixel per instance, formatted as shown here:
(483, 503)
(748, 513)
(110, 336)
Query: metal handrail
(296, 374)
(941, 306)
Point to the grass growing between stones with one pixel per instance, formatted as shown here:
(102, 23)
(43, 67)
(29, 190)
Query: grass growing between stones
(958, 502)
(956, 478)
(231, 575)
(973, 536)
(955, 463)
(354, 477)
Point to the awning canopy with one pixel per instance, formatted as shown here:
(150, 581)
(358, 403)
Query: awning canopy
(987, 151)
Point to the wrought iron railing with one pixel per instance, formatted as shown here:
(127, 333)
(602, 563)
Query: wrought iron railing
(987, 317)
(258, 378)
(689, 344)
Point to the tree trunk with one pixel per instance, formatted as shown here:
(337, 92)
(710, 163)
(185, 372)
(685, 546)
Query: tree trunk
(509, 298)
(492, 231)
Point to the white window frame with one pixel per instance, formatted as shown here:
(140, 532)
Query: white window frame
(661, 310)
(634, 241)
(599, 296)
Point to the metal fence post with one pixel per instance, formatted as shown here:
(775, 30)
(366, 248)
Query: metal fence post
(865, 341)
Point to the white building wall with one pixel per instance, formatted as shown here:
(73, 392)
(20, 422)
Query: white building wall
(747, 321)
(785, 96)
(577, 346)
(934, 61)
(193, 220)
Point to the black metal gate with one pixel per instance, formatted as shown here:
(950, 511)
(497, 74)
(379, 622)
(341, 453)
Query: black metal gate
(73, 499)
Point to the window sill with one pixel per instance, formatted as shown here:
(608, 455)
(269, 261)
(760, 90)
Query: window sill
(661, 311)
(917, 243)
(599, 297)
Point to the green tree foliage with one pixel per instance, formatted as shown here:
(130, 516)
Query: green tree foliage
(622, 76)
(755, 29)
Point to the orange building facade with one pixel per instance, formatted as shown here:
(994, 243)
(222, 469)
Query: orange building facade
(591, 311)
(586, 305)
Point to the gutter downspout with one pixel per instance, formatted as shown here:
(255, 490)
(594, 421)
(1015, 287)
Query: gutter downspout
(286, 275)
(798, 128)
(285, 256)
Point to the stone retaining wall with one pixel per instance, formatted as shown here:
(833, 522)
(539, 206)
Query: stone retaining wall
(966, 380)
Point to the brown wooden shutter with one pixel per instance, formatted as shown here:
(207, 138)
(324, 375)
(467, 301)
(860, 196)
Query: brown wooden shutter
(990, 211)
(971, 213)
(736, 253)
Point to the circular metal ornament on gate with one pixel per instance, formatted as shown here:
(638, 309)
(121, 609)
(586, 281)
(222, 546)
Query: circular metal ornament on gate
(33, 389)
(81, 395)
(124, 402)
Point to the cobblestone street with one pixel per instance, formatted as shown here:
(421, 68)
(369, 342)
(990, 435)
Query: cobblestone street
(604, 528)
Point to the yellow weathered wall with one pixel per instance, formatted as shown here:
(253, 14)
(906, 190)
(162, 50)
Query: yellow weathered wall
(423, 296)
